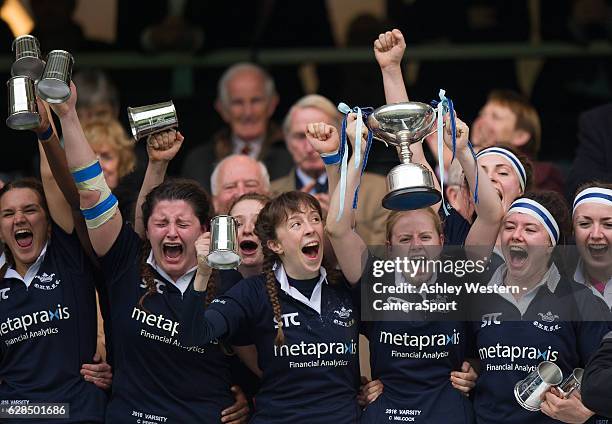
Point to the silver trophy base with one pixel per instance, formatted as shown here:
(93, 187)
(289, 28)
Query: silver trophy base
(53, 90)
(521, 401)
(32, 67)
(223, 259)
(23, 121)
(410, 186)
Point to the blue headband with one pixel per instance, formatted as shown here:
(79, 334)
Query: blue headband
(539, 212)
(511, 157)
(593, 195)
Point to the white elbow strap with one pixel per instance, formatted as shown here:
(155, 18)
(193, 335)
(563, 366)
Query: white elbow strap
(90, 177)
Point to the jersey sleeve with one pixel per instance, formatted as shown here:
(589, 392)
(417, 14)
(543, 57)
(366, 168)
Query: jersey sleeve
(68, 247)
(597, 380)
(456, 228)
(224, 318)
(592, 321)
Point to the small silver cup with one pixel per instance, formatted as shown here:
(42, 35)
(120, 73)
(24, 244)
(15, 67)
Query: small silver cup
(223, 243)
(572, 383)
(528, 392)
(54, 85)
(22, 109)
(27, 57)
(151, 119)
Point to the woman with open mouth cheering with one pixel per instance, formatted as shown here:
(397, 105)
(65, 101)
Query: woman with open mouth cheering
(303, 324)
(592, 220)
(47, 301)
(423, 382)
(533, 314)
(156, 377)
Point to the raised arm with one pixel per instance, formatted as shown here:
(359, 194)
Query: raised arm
(389, 50)
(161, 148)
(348, 245)
(199, 325)
(489, 210)
(98, 204)
(49, 143)
(56, 164)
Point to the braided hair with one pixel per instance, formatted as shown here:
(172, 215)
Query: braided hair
(175, 189)
(270, 217)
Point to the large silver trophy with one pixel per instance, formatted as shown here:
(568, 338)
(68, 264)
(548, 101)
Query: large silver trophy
(410, 185)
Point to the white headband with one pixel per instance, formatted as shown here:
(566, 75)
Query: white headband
(510, 157)
(593, 195)
(539, 212)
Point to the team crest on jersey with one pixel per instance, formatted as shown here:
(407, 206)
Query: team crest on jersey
(159, 285)
(344, 317)
(343, 312)
(548, 318)
(441, 299)
(46, 281)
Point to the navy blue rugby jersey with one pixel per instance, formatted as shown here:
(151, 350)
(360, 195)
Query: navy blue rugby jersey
(559, 321)
(414, 352)
(48, 330)
(314, 376)
(456, 227)
(156, 378)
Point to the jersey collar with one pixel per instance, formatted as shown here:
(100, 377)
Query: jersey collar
(182, 283)
(315, 299)
(32, 270)
(581, 277)
(550, 279)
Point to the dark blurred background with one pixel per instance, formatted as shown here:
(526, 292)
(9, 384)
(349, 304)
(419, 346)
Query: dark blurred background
(176, 49)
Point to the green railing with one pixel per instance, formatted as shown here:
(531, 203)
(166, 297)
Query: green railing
(137, 60)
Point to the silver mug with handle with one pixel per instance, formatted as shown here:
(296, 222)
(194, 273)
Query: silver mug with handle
(28, 60)
(22, 108)
(54, 85)
(152, 119)
(223, 243)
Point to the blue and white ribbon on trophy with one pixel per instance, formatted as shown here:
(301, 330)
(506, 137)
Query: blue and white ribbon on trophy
(362, 113)
(444, 106)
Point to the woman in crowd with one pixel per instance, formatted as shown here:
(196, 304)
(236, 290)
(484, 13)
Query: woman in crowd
(246, 210)
(302, 322)
(156, 377)
(114, 149)
(422, 382)
(48, 300)
(534, 314)
(592, 219)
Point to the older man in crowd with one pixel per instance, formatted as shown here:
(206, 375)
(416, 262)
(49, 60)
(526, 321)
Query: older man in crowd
(246, 100)
(308, 173)
(234, 176)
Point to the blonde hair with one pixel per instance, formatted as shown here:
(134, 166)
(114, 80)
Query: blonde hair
(111, 133)
(396, 215)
